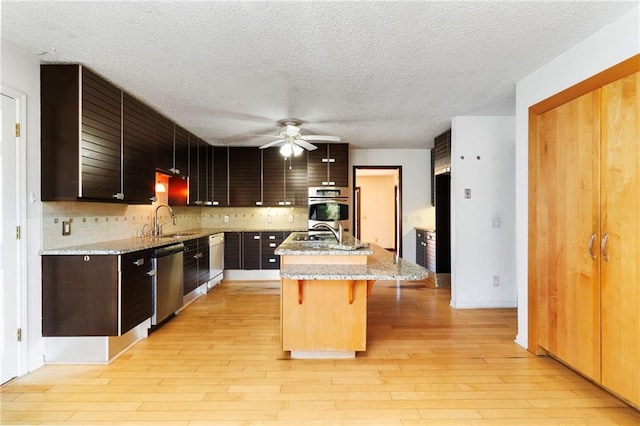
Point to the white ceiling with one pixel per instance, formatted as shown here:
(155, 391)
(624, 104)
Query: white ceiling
(377, 74)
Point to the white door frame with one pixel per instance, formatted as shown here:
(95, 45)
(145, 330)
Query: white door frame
(21, 216)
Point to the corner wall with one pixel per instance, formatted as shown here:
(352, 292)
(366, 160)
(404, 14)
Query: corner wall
(612, 44)
(482, 227)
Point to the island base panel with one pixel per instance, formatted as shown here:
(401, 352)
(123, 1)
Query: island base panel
(323, 315)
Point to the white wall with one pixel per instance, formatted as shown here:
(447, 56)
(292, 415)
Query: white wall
(21, 71)
(416, 188)
(482, 227)
(612, 44)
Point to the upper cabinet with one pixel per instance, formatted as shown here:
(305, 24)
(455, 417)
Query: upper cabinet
(442, 153)
(220, 185)
(329, 165)
(83, 138)
(284, 180)
(245, 177)
(138, 134)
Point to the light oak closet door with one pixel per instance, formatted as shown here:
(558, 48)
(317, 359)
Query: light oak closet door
(567, 220)
(621, 226)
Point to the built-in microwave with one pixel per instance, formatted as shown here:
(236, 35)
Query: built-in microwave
(329, 205)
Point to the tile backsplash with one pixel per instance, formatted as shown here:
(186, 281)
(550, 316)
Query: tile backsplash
(97, 222)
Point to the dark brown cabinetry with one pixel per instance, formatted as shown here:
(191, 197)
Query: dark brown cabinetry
(245, 177)
(269, 241)
(251, 250)
(138, 139)
(219, 187)
(442, 153)
(284, 180)
(164, 146)
(196, 263)
(233, 250)
(84, 142)
(329, 165)
(421, 248)
(101, 295)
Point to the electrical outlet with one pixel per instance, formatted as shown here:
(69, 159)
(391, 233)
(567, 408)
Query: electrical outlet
(496, 281)
(226, 218)
(269, 218)
(467, 193)
(290, 218)
(66, 227)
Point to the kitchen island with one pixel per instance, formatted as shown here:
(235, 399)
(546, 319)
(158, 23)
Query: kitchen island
(324, 290)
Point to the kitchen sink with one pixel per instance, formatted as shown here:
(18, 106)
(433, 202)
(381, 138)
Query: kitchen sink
(179, 235)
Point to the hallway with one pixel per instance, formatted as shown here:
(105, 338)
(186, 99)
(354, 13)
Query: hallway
(218, 363)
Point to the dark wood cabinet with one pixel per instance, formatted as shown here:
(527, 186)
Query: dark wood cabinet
(245, 176)
(198, 172)
(190, 266)
(269, 241)
(164, 144)
(138, 139)
(180, 152)
(329, 165)
(284, 180)
(442, 153)
(204, 271)
(88, 296)
(233, 250)
(220, 172)
(421, 247)
(430, 252)
(137, 289)
(94, 139)
(251, 250)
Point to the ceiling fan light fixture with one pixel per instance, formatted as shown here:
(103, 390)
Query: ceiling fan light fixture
(286, 150)
(297, 150)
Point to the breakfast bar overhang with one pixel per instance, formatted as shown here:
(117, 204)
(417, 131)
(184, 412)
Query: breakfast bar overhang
(324, 290)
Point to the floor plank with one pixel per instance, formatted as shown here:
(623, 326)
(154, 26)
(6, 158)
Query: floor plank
(219, 362)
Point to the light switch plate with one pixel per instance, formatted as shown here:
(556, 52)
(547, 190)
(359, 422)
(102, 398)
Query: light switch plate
(66, 227)
(467, 193)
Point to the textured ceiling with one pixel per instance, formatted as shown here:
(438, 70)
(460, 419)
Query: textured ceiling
(377, 74)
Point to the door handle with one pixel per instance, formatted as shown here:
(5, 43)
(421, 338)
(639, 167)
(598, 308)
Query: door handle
(603, 247)
(591, 240)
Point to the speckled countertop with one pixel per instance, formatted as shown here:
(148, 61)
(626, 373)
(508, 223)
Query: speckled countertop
(129, 245)
(350, 247)
(381, 265)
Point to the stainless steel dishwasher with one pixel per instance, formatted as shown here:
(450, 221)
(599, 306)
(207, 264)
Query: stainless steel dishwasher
(168, 281)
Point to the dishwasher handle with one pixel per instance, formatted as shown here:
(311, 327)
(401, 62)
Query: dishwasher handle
(168, 250)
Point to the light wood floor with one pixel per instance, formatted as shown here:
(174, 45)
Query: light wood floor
(218, 363)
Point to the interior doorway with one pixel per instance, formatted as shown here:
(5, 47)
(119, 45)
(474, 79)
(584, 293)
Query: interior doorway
(377, 199)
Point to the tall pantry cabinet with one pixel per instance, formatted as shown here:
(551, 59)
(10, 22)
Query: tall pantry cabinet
(584, 228)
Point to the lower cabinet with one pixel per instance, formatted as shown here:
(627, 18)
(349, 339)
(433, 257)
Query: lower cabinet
(95, 295)
(252, 250)
(196, 263)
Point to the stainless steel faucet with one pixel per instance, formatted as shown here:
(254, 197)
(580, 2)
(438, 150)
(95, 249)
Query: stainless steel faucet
(157, 229)
(336, 232)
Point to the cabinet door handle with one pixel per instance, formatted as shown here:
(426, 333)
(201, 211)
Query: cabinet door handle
(152, 273)
(118, 196)
(603, 247)
(256, 237)
(591, 240)
(325, 160)
(332, 160)
(139, 262)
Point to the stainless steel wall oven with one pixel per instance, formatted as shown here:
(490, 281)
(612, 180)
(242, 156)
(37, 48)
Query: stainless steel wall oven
(329, 205)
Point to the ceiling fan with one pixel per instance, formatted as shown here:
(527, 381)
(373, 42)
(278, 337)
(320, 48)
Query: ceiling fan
(293, 142)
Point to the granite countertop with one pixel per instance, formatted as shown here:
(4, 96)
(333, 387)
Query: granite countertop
(381, 265)
(350, 246)
(129, 245)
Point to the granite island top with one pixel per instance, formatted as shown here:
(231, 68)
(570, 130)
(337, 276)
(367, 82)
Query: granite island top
(381, 264)
(129, 245)
(297, 245)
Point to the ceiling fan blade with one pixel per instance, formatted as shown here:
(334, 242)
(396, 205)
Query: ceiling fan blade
(270, 144)
(306, 145)
(321, 138)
